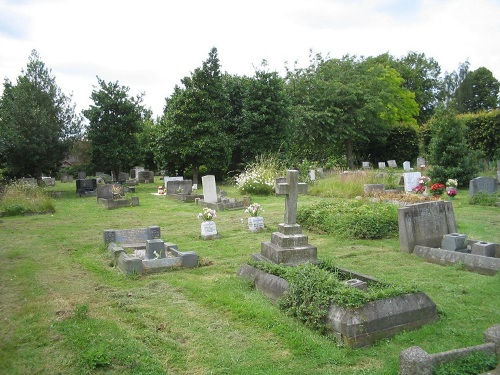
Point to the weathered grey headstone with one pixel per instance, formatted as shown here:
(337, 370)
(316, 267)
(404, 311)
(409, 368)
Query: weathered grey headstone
(167, 179)
(365, 164)
(407, 166)
(134, 172)
(381, 165)
(110, 191)
(312, 175)
(486, 184)
(123, 176)
(209, 189)
(146, 177)
(421, 162)
(425, 224)
(411, 180)
(180, 187)
(392, 163)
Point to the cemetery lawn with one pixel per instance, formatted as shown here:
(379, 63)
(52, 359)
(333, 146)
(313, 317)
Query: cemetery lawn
(65, 310)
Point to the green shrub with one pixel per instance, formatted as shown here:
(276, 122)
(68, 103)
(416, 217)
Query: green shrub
(313, 287)
(352, 219)
(19, 198)
(472, 364)
(259, 177)
(482, 198)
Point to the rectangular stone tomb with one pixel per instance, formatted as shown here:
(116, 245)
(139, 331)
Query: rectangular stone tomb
(86, 187)
(140, 251)
(117, 203)
(357, 327)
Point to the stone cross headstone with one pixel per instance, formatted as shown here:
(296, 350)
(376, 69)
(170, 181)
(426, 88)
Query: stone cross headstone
(411, 180)
(407, 166)
(381, 165)
(209, 189)
(291, 189)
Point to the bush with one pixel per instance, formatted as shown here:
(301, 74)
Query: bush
(260, 177)
(352, 219)
(20, 198)
(482, 198)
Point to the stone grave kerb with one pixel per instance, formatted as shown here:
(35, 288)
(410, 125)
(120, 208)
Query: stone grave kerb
(291, 189)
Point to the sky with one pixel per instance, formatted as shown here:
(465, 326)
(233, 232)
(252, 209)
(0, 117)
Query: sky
(150, 45)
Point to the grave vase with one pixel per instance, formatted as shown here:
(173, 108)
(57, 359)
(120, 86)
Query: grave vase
(255, 223)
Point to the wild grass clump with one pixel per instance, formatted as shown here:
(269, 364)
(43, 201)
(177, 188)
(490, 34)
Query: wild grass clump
(342, 185)
(313, 287)
(260, 176)
(474, 363)
(20, 198)
(482, 198)
(351, 219)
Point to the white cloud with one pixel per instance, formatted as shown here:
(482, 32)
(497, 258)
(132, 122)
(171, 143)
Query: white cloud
(151, 45)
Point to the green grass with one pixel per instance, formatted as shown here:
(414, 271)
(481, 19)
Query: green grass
(205, 320)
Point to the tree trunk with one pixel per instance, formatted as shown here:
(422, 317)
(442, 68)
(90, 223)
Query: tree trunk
(195, 175)
(348, 151)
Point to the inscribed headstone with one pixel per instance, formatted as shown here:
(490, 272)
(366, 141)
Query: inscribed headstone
(176, 178)
(209, 188)
(411, 180)
(180, 187)
(407, 166)
(146, 177)
(381, 165)
(365, 164)
(425, 224)
(392, 163)
(486, 184)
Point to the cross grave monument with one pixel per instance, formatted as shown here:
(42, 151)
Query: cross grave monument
(288, 246)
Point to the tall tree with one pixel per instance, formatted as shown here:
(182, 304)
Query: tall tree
(266, 116)
(38, 123)
(477, 92)
(115, 122)
(194, 127)
(341, 102)
(452, 81)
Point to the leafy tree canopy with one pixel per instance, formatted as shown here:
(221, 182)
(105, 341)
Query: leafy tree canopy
(115, 122)
(38, 123)
(477, 92)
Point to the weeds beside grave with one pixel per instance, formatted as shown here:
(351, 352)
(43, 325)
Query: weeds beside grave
(21, 198)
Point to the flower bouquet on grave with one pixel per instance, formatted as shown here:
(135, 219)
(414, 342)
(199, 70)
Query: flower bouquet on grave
(452, 183)
(451, 192)
(160, 190)
(437, 189)
(422, 185)
(254, 209)
(207, 215)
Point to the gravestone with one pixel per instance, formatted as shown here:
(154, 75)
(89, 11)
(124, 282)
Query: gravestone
(110, 191)
(167, 179)
(312, 175)
(134, 172)
(123, 176)
(86, 187)
(407, 166)
(392, 163)
(411, 180)
(49, 181)
(365, 164)
(66, 177)
(425, 224)
(289, 246)
(486, 184)
(180, 187)
(209, 189)
(145, 177)
(421, 162)
(381, 165)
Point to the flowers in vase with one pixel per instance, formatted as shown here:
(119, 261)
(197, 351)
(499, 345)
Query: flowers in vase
(451, 192)
(207, 215)
(422, 185)
(452, 183)
(438, 188)
(254, 209)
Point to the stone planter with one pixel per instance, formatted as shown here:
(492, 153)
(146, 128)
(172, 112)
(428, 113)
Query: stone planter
(255, 223)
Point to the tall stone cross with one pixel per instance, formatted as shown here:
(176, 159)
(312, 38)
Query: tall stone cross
(291, 189)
